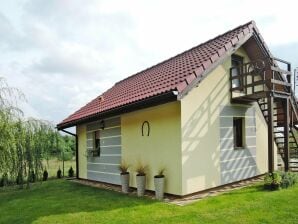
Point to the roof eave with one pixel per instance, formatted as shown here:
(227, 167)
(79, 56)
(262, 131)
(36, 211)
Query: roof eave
(166, 97)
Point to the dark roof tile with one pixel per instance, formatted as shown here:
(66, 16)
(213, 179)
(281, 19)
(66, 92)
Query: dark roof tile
(173, 74)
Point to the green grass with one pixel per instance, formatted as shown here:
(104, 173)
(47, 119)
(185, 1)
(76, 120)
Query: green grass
(53, 165)
(61, 201)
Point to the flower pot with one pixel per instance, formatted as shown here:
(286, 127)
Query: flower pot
(159, 182)
(124, 177)
(141, 183)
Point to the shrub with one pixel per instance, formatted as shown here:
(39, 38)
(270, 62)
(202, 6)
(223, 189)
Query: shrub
(70, 172)
(45, 175)
(4, 180)
(20, 179)
(275, 180)
(32, 177)
(272, 181)
(59, 173)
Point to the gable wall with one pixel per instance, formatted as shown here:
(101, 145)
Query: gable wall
(208, 156)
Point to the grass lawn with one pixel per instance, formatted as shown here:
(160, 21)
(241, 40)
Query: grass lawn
(61, 201)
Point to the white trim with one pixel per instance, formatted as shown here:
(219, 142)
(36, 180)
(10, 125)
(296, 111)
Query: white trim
(237, 116)
(105, 146)
(112, 136)
(93, 171)
(232, 149)
(119, 126)
(106, 155)
(110, 164)
(238, 158)
(242, 168)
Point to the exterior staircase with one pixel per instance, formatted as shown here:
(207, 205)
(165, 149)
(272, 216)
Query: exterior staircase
(263, 81)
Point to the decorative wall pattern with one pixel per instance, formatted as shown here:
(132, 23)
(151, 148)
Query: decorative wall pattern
(237, 164)
(105, 167)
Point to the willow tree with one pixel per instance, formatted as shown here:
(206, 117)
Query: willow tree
(23, 142)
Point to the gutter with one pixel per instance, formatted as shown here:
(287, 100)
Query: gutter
(77, 150)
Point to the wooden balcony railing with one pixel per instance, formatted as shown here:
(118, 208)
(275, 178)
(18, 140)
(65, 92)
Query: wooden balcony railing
(256, 79)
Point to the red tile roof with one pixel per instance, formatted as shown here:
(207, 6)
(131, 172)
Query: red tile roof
(175, 73)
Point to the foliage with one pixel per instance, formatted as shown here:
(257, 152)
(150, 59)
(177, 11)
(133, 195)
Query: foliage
(288, 179)
(275, 180)
(70, 172)
(4, 180)
(32, 177)
(25, 143)
(59, 173)
(123, 167)
(45, 175)
(141, 169)
(160, 173)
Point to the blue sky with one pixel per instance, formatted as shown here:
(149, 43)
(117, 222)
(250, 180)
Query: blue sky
(63, 53)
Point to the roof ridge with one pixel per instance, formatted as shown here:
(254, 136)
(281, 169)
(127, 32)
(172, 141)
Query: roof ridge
(166, 60)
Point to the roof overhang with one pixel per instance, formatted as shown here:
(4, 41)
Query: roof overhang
(148, 102)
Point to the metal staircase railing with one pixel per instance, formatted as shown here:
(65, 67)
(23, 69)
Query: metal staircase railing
(255, 81)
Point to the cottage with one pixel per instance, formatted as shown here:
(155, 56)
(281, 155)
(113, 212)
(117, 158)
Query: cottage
(218, 113)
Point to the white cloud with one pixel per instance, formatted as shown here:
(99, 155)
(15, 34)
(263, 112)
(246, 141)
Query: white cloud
(61, 54)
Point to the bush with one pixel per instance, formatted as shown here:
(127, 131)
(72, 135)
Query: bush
(45, 175)
(59, 173)
(20, 179)
(70, 172)
(32, 177)
(4, 180)
(272, 181)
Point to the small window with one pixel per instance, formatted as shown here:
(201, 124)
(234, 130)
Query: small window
(238, 132)
(96, 144)
(237, 61)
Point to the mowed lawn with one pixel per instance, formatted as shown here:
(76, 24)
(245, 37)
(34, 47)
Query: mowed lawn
(62, 201)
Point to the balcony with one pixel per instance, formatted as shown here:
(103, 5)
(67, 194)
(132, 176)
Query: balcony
(259, 79)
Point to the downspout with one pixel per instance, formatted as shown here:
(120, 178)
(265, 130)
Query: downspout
(77, 150)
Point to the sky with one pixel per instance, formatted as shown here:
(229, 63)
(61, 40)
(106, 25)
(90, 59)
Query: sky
(63, 53)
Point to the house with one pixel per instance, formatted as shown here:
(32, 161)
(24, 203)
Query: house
(218, 113)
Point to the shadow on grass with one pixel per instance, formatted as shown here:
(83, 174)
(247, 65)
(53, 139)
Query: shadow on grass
(60, 197)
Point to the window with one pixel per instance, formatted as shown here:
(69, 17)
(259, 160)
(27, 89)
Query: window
(236, 70)
(238, 132)
(96, 144)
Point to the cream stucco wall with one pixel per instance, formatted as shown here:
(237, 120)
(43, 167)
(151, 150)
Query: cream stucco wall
(184, 137)
(162, 149)
(200, 125)
(82, 138)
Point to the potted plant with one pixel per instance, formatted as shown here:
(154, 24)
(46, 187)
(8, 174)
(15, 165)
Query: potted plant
(124, 176)
(141, 179)
(159, 182)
